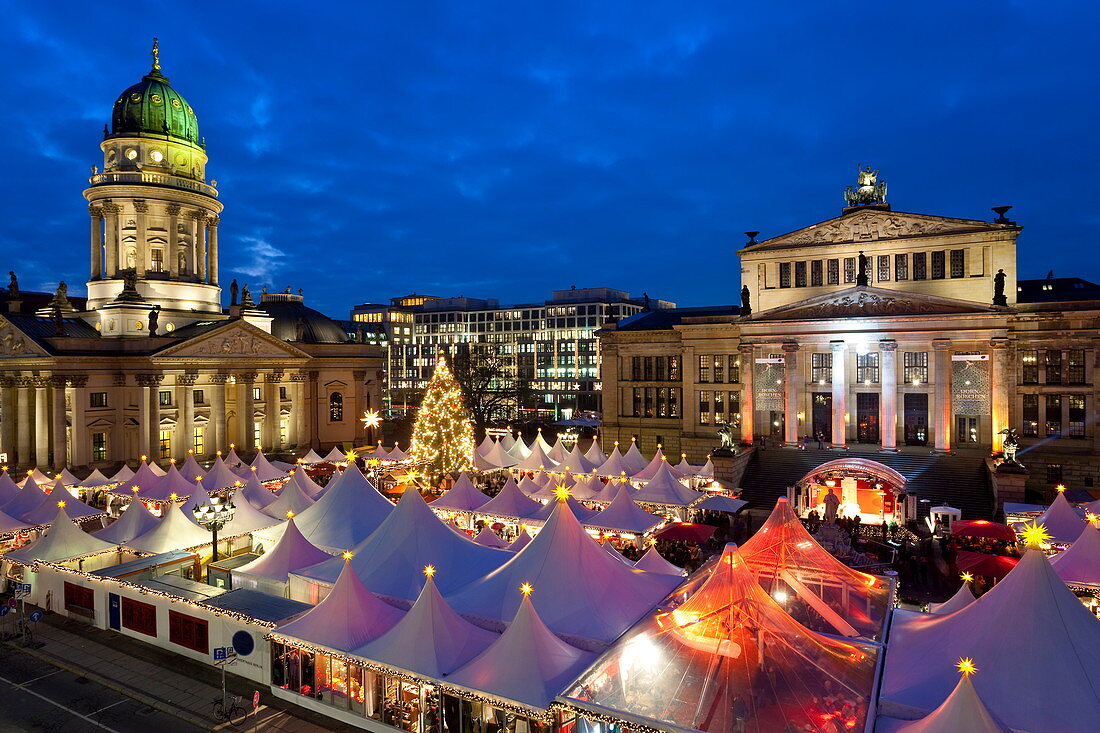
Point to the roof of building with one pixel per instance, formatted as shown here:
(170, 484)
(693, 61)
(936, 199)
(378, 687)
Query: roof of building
(1056, 289)
(287, 310)
(153, 107)
(260, 606)
(663, 320)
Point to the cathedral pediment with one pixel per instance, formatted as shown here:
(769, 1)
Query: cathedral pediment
(14, 344)
(858, 302)
(872, 225)
(234, 340)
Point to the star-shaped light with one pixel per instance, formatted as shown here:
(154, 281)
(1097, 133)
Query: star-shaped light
(289, 513)
(1060, 488)
(252, 468)
(61, 504)
(135, 489)
(170, 460)
(198, 478)
(173, 496)
(1035, 535)
(371, 419)
(966, 666)
(561, 493)
(967, 577)
(347, 555)
(349, 456)
(526, 589)
(374, 463)
(429, 570)
(144, 457)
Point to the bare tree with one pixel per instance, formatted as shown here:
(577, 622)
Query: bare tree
(492, 390)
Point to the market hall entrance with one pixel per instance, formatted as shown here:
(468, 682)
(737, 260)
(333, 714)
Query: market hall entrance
(822, 416)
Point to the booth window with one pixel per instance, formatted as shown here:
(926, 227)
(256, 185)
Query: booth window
(79, 600)
(188, 631)
(138, 616)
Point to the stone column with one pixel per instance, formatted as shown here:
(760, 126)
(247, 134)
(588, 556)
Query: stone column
(246, 406)
(173, 211)
(217, 411)
(748, 407)
(41, 421)
(888, 411)
(791, 394)
(111, 244)
(186, 401)
(117, 450)
(145, 417)
(942, 393)
(79, 455)
(359, 390)
(270, 439)
(200, 245)
(213, 267)
(7, 419)
(58, 424)
(311, 403)
(298, 409)
(96, 213)
(840, 393)
(1000, 385)
(24, 457)
(142, 245)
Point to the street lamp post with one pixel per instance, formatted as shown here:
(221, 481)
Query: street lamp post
(214, 516)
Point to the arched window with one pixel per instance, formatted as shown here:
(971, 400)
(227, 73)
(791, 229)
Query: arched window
(336, 407)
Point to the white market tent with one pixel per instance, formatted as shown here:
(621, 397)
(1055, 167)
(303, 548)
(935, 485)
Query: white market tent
(309, 487)
(615, 465)
(336, 455)
(521, 541)
(26, 501)
(1080, 564)
(654, 465)
(8, 488)
(541, 443)
(47, 506)
(488, 538)
(124, 474)
(312, 457)
(485, 446)
(145, 480)
(220, 476)
(528, 486)
(173, 482)
(707, 471)
(599, 603)
(611, 550)
(263, 468)
(653, 562)
(526, 664)
(191, 468)
(586, 486)
(580, 511)
(246, 518)
(1061, 520)
(68, 478)
(95, 480)
(348, 617)
(174, 531)
(497, 457)
(623, 515)
(254, 493)
(431, 640)
(397, 454)
(290, 499)
(595, 454)
(348, 512)
(536, 461)
(390, 560)
(507, 440)
(462, 497)
(38, 476)
(135, 520)
(510, 503)
(64, 540)
(665, 489)
(575, 462)
(10, 524)
(719, 503)
(154, 467)
(1026, 634)
(963, 597)
(558, 451)
(635, 461)
(232, 460)
(269, 572)
(519, 449)
(963, 710)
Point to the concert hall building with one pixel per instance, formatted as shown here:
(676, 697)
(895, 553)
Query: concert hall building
(878, 331)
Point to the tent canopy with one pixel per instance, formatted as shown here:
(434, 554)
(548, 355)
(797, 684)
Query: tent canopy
(64, 540)
(1080, 564)
(174, 531)
(1061, 520)
(462, 497)
(346, 514)
(623, 515)
(510, 503)
(135, 520)
(292, 552)
(665, 489)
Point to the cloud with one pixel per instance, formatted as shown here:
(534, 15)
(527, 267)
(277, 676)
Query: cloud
(262, 260)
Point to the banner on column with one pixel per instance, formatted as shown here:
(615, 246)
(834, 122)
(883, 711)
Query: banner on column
(768, 384)
(970, 387)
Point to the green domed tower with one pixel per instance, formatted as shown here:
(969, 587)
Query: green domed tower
(154, 216)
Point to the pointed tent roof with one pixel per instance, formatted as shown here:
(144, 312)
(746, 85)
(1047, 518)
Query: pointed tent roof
(145, 479)
(485, 446)
(537, 460)
(963, 597)
(575, 462)
(527, 485)
(390, 560)
(462, 497)
(10, 524)
(220, 476)
(1048, 627)
(173, 482)
(710, 650)
(123, 474)
(488, 538)
(654, 465)
(264, 469)
(786, 557)
(707, 471)
(653, 562)
(348, 617)
(8, 488)
(308, 486)
(28, 499)
(346, 514)
(397, 454)
(174, 531)
(95, 480)
(135, 520)
(510, 503)
(379, 452)
(431, 640)
(615, 465)
(507, 440)
(68, 478)
(963, 710)
(521, 541)
(541, 442)
(292, 552)
(526, 664)
(623, 515)
(1061, 520)
(634, 459)
(157, 470)
(47, 506)
(1080, 564)
(64, 540)
(683, 468)
(254, 493)
(586, 486)
(40, 477)
(290, 499)
(191, 468)
(232, 460)
(580, 511)
(595, 454)
(519, 449)
(312, 457)
(497, 457)
(336, 455)
(598, 603)
(558, 451)
(613, 551)
(247, 518)
(666, 490)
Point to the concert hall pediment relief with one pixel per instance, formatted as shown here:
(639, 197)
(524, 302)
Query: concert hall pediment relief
(874, 225)
(235, 340)
(859, 302)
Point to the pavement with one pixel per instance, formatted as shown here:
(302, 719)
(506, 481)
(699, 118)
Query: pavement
(80, 678)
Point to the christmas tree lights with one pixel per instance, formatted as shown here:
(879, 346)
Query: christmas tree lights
(443, 434)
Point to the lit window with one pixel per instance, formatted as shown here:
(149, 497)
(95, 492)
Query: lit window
(165, 443)
(198, 437)
(99, 446)
(336, 407)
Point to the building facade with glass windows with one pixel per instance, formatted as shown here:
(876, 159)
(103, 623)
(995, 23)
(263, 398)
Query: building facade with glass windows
(551, 347)
(930, 342)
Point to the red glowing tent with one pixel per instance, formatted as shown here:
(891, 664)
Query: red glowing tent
(983, 528)
(686, 532)
(991, 566)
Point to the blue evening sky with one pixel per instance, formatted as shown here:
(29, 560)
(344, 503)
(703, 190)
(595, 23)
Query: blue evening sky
(366, 150)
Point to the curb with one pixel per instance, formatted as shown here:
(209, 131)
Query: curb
(152, 701)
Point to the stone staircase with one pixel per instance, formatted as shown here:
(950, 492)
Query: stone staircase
(960, 481)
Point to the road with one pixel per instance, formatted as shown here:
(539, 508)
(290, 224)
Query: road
(37, 696)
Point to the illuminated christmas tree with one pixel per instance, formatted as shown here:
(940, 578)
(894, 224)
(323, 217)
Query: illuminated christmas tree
(443, 433)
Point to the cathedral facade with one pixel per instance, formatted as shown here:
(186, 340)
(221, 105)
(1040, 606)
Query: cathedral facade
(875, 330)
(152, 363)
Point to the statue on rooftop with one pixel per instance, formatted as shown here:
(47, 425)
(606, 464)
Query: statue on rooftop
(13, 285)
(862, 273)
(746, 307)
(868, 189)
(999, 288)
(234, 290)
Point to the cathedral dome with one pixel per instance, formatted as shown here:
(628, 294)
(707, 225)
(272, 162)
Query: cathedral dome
(287, 310)
(153, 107)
